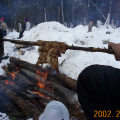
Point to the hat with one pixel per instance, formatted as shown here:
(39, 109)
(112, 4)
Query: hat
(2, 18)
(26, 19)
(55, 111)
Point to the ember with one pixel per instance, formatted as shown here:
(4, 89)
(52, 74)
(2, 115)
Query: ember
(12, 74)
(42, 83)
(42, 95)
(8, 82)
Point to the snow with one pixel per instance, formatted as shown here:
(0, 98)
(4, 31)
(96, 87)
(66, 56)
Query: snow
(3, 116)
(73, 61)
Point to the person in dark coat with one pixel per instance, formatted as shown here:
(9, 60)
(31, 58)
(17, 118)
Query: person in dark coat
(26, 26)
(98, 89)
(1, 45)
(3, 27)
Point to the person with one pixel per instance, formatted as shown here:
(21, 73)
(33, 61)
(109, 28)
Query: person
(26, 26)
(55, 110)
(3, 27)
(19, 27)
(3, 33)
(1, 45)
(98, 89)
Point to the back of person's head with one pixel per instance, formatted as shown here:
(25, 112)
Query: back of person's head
(26, 20)
(55, 111)
(2, 18)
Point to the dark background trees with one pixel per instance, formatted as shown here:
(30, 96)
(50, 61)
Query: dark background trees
(64, 11)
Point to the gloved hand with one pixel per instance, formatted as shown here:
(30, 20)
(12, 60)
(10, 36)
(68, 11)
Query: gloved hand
(116, 49)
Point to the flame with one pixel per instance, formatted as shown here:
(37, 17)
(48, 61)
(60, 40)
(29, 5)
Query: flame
(42, 95)
(41, 81)
(12, 74)
(8, 82)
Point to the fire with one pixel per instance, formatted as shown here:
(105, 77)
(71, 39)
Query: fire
(42, 95)
(8, 82)
(42, 82)
(12, 74)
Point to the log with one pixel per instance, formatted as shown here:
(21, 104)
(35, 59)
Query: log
(14, 105)
(64, 80)
(26, 88)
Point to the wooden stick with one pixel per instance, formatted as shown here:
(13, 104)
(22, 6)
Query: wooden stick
(90, 49)
(21, 42)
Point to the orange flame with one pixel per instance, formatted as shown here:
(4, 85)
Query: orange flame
(41, 81)
(12, 74)
(8, 82)
(42, 95)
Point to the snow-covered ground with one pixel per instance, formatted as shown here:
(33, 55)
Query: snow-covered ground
(73, 62)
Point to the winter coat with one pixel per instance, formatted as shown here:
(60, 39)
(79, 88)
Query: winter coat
(28, 26)
(4, 26)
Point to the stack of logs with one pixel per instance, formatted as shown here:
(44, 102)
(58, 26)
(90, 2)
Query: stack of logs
(27, 89)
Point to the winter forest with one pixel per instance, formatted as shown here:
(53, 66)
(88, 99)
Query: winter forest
(59, 59)
(67, 12)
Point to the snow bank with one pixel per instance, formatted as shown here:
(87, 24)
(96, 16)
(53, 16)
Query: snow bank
(72, 62)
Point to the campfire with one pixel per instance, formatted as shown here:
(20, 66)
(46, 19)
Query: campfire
(28, 88)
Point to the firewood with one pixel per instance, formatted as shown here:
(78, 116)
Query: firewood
(64, 80)
(26, 88)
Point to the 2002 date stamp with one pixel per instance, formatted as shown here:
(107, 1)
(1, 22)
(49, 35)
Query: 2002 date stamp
(106, 114)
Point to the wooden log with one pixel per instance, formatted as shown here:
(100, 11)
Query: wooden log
(64, 80)
(14, 105)
(60, 93)
(59, 90)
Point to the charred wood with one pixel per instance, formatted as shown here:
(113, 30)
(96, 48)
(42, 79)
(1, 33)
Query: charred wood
(62, 79)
